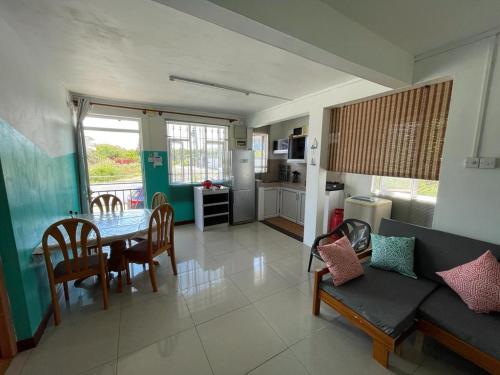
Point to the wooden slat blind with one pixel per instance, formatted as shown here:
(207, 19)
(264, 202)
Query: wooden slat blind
(399, 135)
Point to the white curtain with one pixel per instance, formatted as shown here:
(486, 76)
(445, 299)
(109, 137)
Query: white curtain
(82, 110)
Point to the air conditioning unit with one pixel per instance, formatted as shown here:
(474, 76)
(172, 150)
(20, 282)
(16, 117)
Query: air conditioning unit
(369, 209)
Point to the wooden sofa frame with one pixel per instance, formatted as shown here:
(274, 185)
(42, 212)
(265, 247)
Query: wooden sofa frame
(383, 344)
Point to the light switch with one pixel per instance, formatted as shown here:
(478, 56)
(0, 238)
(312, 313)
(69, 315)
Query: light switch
(472, 163)
(487, 163)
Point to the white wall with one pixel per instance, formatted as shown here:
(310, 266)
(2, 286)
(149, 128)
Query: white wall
(468, 199)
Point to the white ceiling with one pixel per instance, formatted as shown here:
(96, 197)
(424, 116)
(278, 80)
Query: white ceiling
(126, 50)
(421, 25)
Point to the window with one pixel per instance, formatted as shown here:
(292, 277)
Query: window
(196, 152)
(114, 158)
(260, 146)
(409, 188)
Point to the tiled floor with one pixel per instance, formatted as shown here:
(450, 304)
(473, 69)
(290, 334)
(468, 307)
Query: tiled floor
(240, 304)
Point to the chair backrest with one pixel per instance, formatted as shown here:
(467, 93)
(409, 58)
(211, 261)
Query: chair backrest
(106, 203)
(358, 233)
(356, 230)
(72, 238)
(158, 199)
(161, 229)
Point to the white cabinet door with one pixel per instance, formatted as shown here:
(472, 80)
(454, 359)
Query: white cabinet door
(289, 204)
(302, 207)
(271, 202)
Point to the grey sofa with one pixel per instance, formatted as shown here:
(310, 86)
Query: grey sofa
(388, 306)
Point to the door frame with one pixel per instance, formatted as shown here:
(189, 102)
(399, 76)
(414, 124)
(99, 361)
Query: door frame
(8, 346)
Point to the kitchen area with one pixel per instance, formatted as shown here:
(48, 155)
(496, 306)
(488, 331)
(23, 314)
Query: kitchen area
(268, 172)
(281, 189)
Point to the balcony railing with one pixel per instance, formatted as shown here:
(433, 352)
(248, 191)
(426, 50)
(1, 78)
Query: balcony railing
(131, 195)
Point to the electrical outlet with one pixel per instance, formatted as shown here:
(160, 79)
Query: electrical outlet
(487, 163)
(472, 163)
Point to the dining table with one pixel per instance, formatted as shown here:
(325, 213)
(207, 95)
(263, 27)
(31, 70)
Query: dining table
(113, 226)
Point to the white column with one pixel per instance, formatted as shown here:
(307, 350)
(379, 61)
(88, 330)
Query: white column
(319, 119)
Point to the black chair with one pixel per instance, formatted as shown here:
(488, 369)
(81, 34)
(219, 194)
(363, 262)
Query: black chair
(356, 230)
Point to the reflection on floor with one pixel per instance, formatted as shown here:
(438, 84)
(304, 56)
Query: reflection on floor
(287, 227)
(241, 304)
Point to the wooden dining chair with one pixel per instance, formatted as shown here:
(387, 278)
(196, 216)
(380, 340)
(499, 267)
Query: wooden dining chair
(106, 203)
(72, 238)
(158, 199)
(160, 240)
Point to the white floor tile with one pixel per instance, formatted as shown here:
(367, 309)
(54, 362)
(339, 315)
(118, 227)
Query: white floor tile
(259, 282)
(290, 314)
(283, 364)
(106, 369)
(212, 299)
(144, 323)
(179, 354)
(76, 346)
(238, 342)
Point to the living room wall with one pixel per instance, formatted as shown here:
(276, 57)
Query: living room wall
(468, 202)
(38, 179)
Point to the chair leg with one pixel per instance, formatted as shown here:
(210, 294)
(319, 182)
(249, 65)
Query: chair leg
(152, 275)
(104, 285)
(172, 260)
(66, 291)
(310, 262)
(127, 272)
(55, 304)
(120, 285)
(380, 353)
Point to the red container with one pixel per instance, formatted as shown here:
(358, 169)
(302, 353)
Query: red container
(336, 219)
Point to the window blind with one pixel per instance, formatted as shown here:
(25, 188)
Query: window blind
(399, 135)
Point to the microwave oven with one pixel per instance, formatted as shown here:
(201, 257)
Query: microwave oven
(297, 149)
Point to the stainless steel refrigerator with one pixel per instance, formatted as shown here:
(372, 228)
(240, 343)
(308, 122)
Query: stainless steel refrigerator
(242, 194)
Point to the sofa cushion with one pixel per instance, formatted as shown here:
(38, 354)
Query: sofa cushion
(393, 254)
(341, 260)
(435, 250)
(386, 299)
(477, 283)
(445, 309)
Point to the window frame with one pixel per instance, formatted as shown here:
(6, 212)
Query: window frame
(205, 149)
(412, 195)
(265, 151)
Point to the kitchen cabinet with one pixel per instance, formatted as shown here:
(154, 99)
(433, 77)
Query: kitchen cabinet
(289, 208)
(268, 202)
(302, 207)
(281, 201)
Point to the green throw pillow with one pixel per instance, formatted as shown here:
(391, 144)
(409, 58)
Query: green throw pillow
(393, 254)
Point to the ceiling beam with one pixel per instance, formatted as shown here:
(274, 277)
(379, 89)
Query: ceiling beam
(310, 29)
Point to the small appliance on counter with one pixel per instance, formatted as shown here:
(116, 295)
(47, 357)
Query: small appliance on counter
(334, 185)
(295, 178)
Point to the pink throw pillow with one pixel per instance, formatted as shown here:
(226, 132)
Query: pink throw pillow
(341, 260)
(477, 283)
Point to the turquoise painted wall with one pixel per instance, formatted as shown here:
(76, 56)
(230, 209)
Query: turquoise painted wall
(35, 190)
(156, 179)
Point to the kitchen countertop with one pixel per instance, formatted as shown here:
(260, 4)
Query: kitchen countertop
(290, 185)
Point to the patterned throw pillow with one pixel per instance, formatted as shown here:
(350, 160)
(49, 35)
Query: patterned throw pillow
(393, 254)
(477, 283)
(341, 260)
